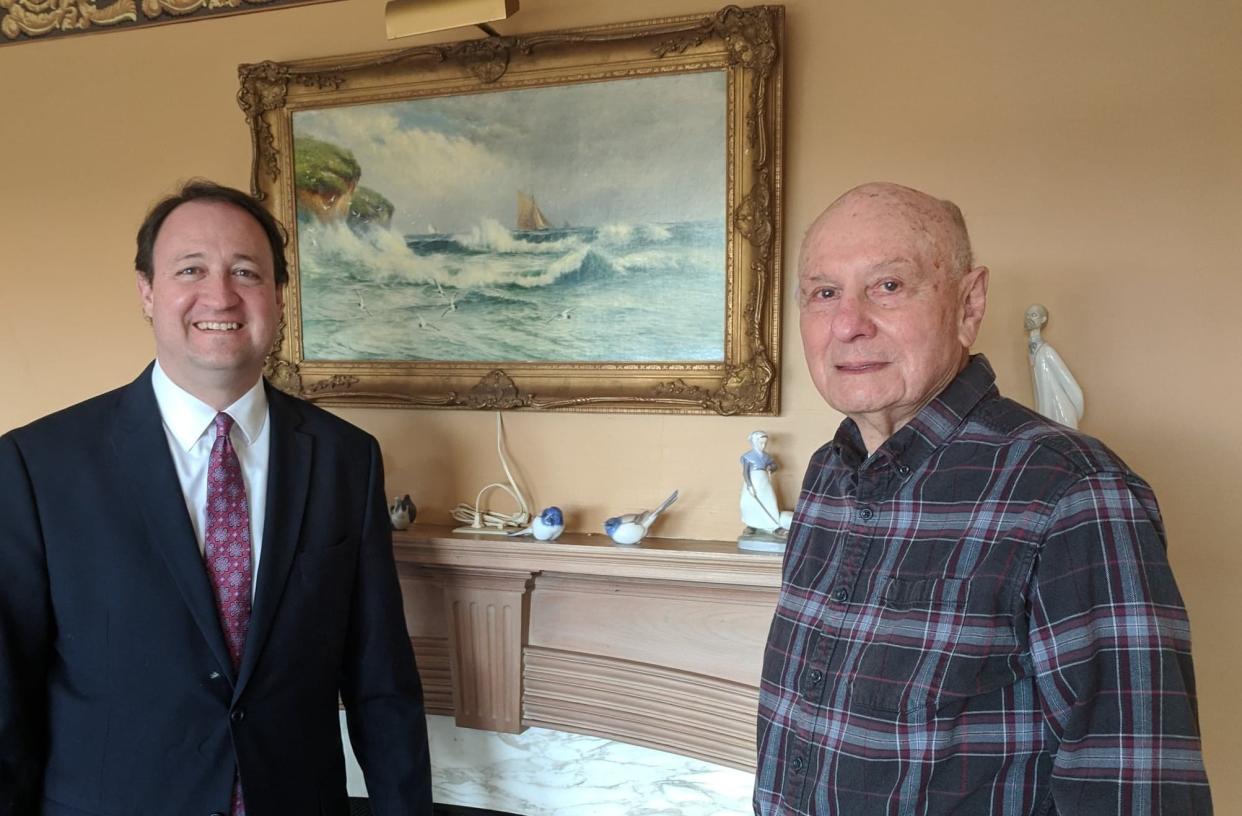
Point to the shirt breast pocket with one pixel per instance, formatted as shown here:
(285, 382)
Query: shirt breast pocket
(924, 635)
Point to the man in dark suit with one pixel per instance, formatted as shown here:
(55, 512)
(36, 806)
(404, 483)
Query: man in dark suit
(195, 566)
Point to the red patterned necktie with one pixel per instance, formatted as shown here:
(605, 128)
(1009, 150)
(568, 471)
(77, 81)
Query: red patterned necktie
(226, 551)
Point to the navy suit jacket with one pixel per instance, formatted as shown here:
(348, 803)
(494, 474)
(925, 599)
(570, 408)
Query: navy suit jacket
(117, 695)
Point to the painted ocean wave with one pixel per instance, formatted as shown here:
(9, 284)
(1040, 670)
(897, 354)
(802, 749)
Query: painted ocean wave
(616, 292)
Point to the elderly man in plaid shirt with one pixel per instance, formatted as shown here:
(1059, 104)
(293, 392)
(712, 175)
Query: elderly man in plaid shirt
(977, 616)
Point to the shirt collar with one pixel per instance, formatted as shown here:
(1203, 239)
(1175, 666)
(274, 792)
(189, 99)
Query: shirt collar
(188, 418)
(930, 428)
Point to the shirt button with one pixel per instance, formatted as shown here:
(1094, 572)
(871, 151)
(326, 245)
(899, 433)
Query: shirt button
(238, 715)
(816, 676)
(904, 470)
(797, 764)
(866, 513)
(841, 595)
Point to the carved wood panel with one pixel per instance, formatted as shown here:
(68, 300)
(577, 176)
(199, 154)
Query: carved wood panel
(657, 645)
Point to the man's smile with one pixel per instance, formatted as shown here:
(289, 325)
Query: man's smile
(858, 368)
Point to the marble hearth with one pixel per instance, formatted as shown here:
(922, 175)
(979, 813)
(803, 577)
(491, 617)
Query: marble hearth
(542, 772)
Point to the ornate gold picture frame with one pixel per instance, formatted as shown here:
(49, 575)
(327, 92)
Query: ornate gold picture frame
(574, 220)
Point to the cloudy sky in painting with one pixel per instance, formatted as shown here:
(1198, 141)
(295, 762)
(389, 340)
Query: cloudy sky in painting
(621, 151)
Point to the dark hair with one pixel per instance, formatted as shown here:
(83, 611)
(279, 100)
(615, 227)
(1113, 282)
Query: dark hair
(204, 190)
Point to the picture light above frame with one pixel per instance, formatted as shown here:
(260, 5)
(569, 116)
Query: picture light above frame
(581, 220)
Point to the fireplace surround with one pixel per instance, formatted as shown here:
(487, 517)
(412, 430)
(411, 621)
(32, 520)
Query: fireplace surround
(655, 647)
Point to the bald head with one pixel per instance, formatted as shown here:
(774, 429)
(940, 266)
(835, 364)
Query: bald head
(936, 222)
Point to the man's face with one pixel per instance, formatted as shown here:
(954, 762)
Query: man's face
(885, 326)
(212, 299)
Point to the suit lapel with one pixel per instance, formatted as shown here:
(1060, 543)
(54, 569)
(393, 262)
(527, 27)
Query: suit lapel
(288, 481)
(145, 465)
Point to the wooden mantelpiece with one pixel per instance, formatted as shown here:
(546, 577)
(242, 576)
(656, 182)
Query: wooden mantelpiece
(658, 645)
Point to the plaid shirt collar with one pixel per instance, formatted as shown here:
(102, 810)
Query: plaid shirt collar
(930, 428)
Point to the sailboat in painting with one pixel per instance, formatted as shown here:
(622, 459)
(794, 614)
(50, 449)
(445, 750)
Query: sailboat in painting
(529, 216)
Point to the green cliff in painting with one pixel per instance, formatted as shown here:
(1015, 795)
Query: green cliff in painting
(326, 183)
(369, 207)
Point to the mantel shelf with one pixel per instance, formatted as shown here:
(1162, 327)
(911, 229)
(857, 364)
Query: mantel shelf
(589, 554)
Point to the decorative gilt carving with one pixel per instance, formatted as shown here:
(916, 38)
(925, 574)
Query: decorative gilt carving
(754, 215)
(496, 390)
(751, 39)
(746, 387)
(34, 18)
(744, 390)
(264, 88)
(337, 382)
(154, 8)
(31, 20)
(282, 373)
(486, 59)
(743, 42)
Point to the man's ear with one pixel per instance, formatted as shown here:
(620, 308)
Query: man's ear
(144, 293)
(974, 303)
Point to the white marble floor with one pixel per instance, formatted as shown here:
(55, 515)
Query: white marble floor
(553, 773)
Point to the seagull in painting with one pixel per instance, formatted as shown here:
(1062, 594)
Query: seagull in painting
(546, 526)
(423, 324)
(565, 313)
(451, 300)
(361, 303)
(632, 527)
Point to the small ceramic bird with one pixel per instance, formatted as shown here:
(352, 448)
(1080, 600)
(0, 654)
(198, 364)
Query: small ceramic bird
(401, 512)
(547, 525)
(630, 528)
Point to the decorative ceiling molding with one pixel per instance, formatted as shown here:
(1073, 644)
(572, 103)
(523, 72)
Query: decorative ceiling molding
(23, 21)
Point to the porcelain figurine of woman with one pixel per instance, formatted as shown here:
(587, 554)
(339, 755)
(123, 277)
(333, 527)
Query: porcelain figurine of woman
(760, 510)
(1057, 394)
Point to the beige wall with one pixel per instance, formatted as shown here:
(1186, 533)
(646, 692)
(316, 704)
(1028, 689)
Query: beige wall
(1096, 150)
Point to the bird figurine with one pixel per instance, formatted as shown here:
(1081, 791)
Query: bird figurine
(630, 528)
(401, 512)
(547, 525)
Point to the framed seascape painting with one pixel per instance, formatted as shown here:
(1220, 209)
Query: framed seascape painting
(576, 220)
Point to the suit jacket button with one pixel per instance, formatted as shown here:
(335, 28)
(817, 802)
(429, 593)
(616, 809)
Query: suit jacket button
(214, 676)
(238, 715)
(217, 813)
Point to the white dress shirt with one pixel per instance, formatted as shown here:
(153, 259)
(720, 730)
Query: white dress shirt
(189, 425)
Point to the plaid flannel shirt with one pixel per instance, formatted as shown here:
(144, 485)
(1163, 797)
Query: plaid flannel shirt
(977, 619)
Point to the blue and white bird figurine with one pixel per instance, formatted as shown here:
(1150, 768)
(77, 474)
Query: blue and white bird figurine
(547, 525)
(630, 528)
(402, 512)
